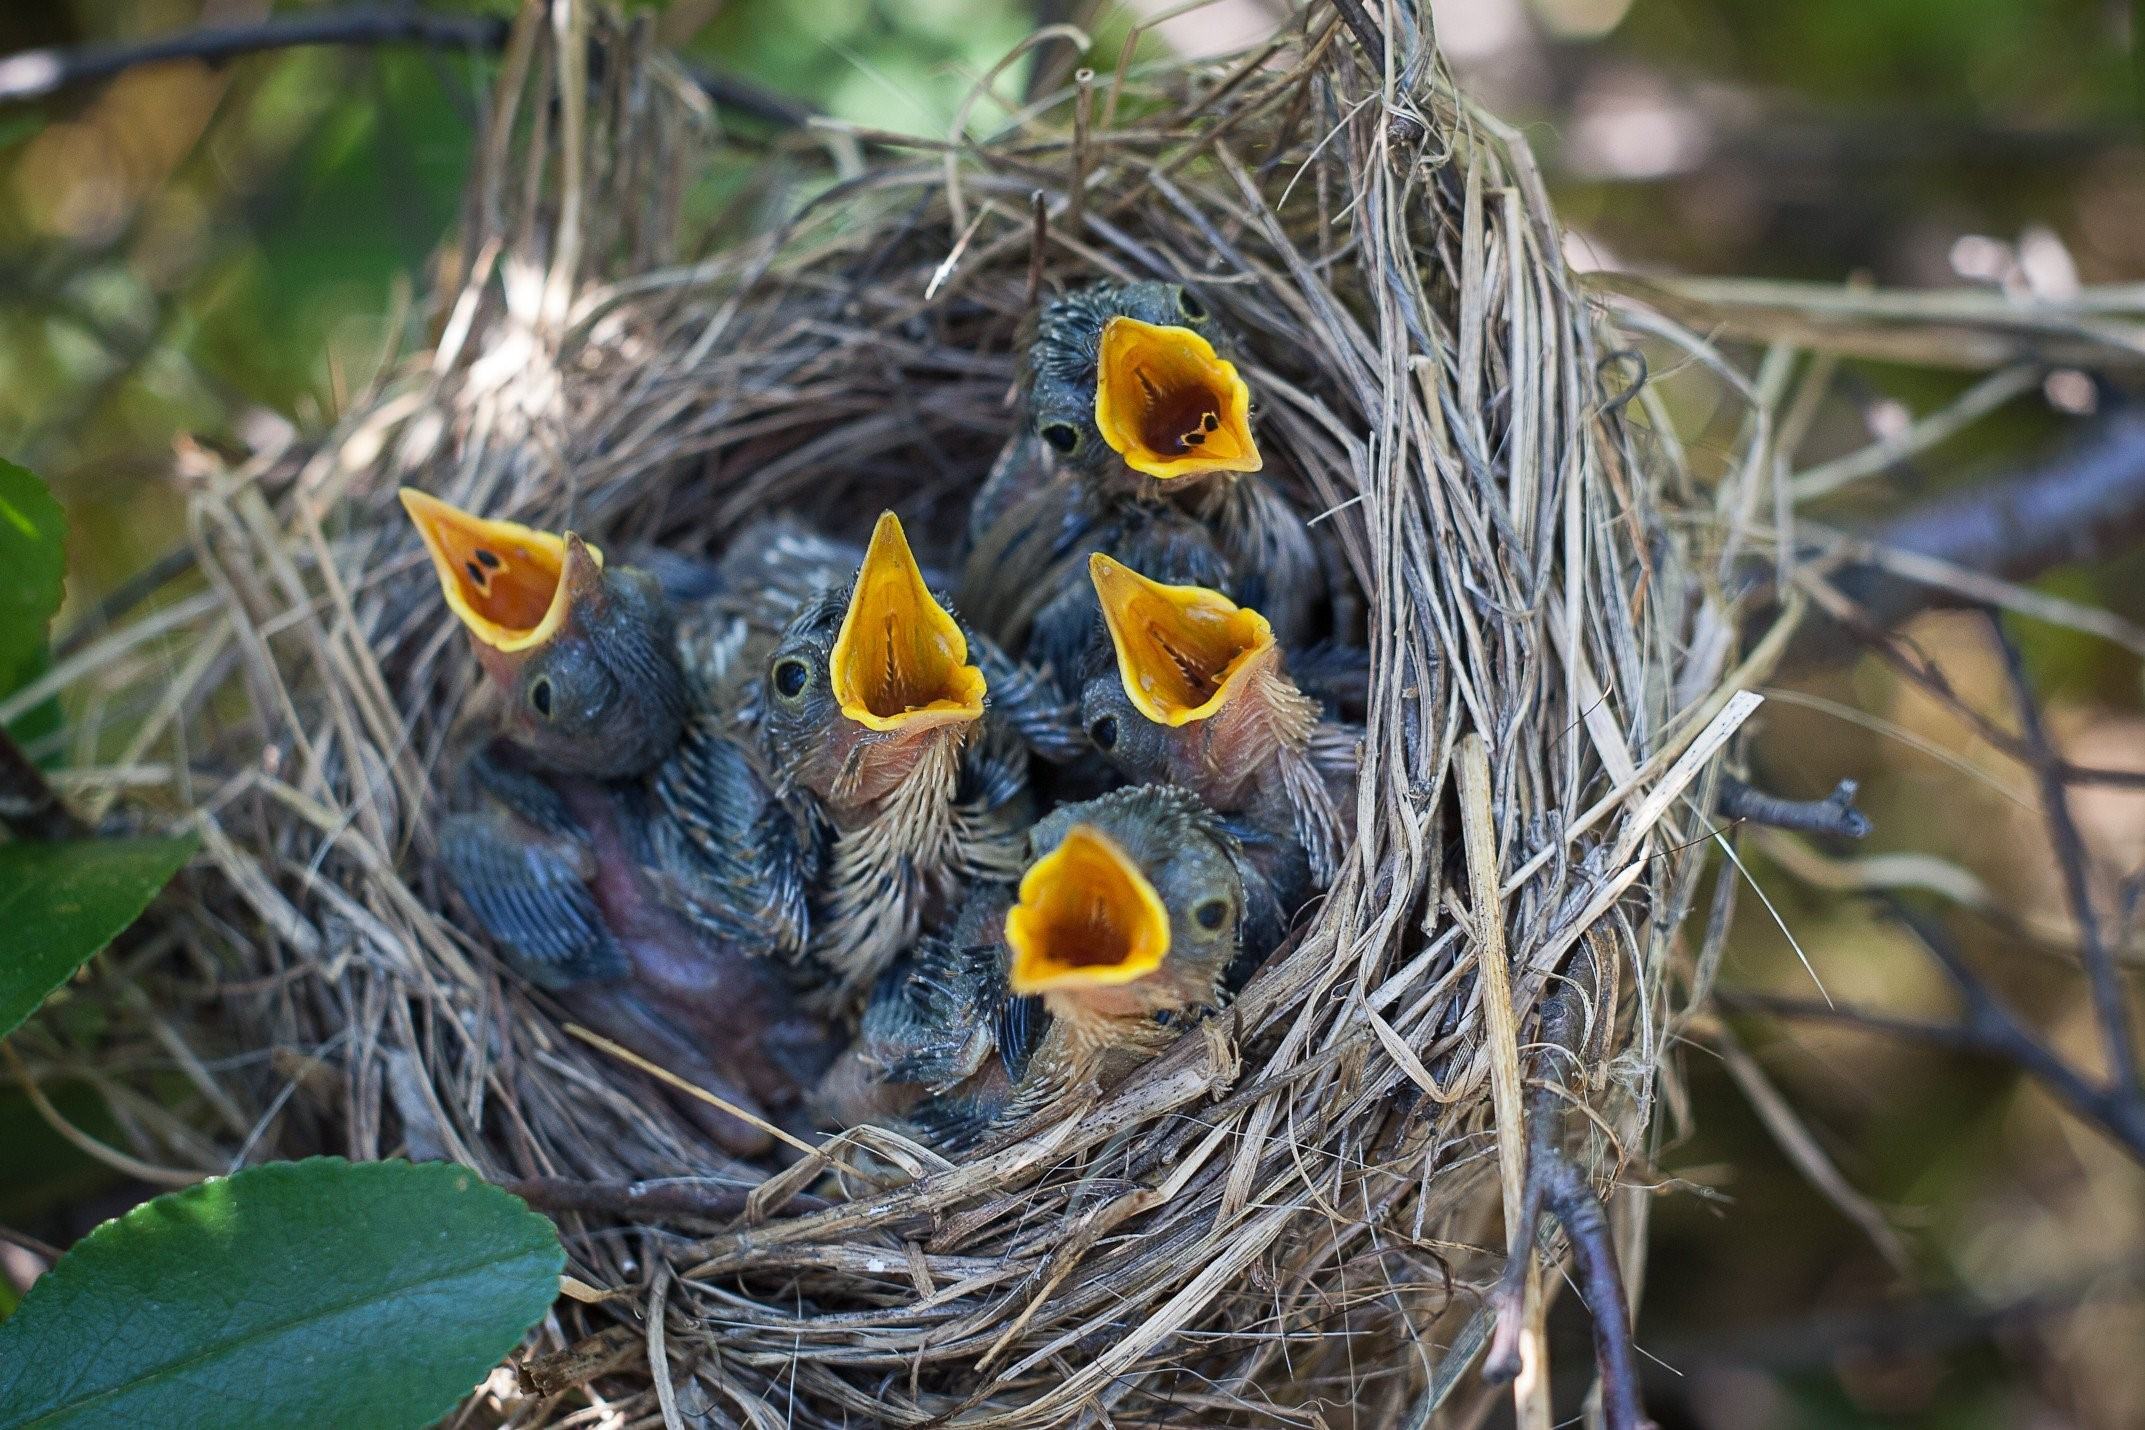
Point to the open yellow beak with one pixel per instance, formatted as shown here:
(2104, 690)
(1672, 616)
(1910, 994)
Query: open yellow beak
(1171, 406)
(1087, 918)
(900, 661)
(510, 584)
(1183, 652)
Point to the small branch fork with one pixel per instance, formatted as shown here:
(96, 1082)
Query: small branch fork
(37, 74)
(2115, 1103)
(1835, 814)
(1556, 1184)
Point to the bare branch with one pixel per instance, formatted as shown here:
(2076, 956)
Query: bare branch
(2109, 1004)
(38, 74)
(1834, 814)
(1555, 1183)
(1987, 1027)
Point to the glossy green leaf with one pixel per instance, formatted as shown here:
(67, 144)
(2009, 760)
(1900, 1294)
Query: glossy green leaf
(321, 1292)
(61, 902)
(33, 566)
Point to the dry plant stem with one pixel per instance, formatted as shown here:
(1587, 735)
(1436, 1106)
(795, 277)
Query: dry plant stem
(647, 1200)
(1556, 1184)
(2110, 1003)
(1834, 814)
(29, 807)
(1478, 828)
(36, 74)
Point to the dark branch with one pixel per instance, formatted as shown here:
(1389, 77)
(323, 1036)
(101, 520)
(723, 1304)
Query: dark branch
(1556, 1184)
(1365, 30)
(2109, 1003)
(2085, 503)
(1987, 1027)
(1834, 814)
(29, 807)
(38, 74)
(1899, 653)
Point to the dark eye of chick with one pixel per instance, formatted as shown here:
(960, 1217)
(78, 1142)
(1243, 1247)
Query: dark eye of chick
(790, 678)
(1212, 914)
(1188, 303)
(1062, 436)
(1104, 733)
(540, 696)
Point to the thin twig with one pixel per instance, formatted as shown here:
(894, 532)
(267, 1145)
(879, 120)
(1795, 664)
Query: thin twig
(1988, 1027)
(2109, 1003)
(1556, 1184)
(37, 74)
(1834, 814)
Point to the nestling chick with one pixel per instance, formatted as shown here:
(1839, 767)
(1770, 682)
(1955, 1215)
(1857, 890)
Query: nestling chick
(585, 656)
(656, 931)
(1130, 910)
(1130, 388)
(873, 702)
(1201, 698)
(622, 842)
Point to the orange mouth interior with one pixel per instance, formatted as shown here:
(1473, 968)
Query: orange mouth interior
(501, 579)
(900, 660)
(1182, 651)
(1087, 918)
(1170, 405)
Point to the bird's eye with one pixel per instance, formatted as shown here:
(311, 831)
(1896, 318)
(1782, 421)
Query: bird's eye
(1212, 914)
(1062, 436)
(1189, 304)
(540, 696)
(1104, 733)
(791, 676)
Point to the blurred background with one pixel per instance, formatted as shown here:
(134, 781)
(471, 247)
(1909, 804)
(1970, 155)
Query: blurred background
(232, 253)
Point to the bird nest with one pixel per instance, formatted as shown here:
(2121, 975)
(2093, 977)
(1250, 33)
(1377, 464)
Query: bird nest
(1298, 1208)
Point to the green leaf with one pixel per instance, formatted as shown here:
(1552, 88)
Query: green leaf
(321, 1292)
(33, 568)
(62, 901)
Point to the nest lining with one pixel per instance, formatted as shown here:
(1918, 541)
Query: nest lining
(1291, 1213)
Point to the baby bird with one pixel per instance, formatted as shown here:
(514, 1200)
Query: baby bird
(584, 656)
(1130, 391)
(1200, 697)
(652, 874)
(874, 703)
(1130, 911)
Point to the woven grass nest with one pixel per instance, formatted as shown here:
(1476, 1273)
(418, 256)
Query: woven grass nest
(1293, 1213)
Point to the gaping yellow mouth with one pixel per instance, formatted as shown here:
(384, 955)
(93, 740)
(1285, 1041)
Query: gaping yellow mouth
(1170, 405)
(900, 661)
(1087, 918)
(506, 582)
(1183, 652)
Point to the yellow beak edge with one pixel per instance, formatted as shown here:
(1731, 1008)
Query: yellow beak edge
(1087, 918)
(507, 583)
(1169, 404)
(1183, 652)
(900, 661)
